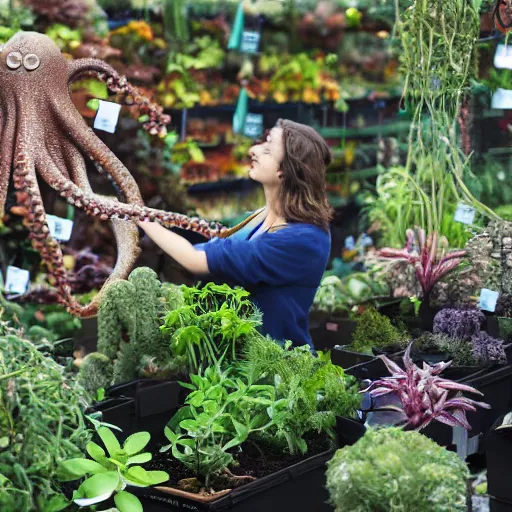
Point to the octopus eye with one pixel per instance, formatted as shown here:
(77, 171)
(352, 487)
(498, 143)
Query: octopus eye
(14, 60)
(31, 62)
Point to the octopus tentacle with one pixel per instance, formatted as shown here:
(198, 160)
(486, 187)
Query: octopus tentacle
(157, 122)
(25, 182)
(7, 136)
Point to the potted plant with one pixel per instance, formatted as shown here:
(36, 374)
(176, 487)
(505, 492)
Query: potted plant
(392, 469)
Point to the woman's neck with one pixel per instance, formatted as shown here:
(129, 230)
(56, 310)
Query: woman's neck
(273, 209)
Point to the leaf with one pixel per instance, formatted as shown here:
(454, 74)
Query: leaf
(141, 458)
(136, 442)
(241, 430)
(56, 504)
(73, 469)
(141, 478)
(96, 452)
(98, 487)
(110, 441)
(196, 398)
(189, 425)
(126, 502)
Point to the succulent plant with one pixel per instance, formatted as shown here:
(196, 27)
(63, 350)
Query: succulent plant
(424, 395)
(487, 349)
(428, 255)
(459, 323)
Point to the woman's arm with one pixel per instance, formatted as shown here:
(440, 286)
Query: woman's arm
(177, 247)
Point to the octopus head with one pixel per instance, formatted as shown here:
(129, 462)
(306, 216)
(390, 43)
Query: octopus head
(29, 55)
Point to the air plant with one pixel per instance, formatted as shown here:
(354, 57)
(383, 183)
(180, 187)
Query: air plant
(424, 395)
(428, 255)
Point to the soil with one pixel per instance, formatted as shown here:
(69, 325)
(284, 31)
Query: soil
(257, 461)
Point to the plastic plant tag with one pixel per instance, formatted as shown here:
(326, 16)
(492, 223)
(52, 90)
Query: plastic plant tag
(464, 214)
(107, 116)
(60, 229)
(331, 326)
(235, 38)
(488, 300)
(17, 280)
(250, 41)
(253, 125)
(350, 243)
(503, 57)
(502, 99)
(241, 111)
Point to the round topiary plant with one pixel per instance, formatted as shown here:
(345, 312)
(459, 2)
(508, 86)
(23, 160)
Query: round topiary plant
(391, 470)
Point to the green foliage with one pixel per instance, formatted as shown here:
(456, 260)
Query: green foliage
(96, 372)
(41, 423)
(109, 474)
(376, 330)
(37, 334)
(310, 391)
(391, 470)
(213, 323)
(129, 323)
(458, 351)
(219, 415)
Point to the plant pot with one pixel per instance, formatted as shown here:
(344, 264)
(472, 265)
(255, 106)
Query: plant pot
(426, 314)
(332, 332)
(116, 411)
(499, 462)
(340, 356)
(348, 431)
(300, 488)
(502, 99)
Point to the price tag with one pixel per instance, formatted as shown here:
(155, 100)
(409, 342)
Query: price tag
(107, 116)
(464, 214)
(503, 57)
(331, 326)
(253, 125)
(488, 300)
(17, 280)
(250, 41)
(60, 229)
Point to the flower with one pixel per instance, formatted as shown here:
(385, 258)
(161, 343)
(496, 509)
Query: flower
(424, 395)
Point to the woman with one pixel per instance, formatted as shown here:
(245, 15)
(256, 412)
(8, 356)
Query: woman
(279, 253)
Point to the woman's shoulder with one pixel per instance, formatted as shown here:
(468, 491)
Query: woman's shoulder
(299, 234)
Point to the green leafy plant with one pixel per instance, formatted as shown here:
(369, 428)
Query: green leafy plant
(41, 423)
(393, 470)
(220, 414)
(374, 330)
(109, 475)
(310, 391)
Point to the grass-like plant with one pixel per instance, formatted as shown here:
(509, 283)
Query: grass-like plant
(392, 470)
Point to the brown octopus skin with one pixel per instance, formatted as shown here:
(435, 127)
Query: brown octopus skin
(43, 133)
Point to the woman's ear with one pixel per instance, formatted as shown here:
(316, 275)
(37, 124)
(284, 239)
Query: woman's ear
(280, 174)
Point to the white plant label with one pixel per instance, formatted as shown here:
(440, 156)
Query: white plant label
(503, 57)
(464, 214)
(60, 229)
(488, 300)
(253, 125)
(17, 280)
(107, 116)
(250, 41)
(502, 99)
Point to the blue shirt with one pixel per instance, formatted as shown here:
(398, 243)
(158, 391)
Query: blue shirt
(282, 271)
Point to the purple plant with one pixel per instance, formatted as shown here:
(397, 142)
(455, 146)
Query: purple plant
(424, 395)
(487, 349)
(459, 324)
(428, 255)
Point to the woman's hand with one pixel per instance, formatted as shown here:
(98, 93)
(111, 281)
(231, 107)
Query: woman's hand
(177, 247)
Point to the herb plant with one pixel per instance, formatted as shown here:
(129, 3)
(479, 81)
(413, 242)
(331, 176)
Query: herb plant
(109, 475)
(41, 422)
(313, 389)
(424, 395)
(458, 323)
(219, 415)
(374, 330)
(393, 470)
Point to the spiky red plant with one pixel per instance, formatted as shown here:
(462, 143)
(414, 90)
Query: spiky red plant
(428, 255)
(424, 395)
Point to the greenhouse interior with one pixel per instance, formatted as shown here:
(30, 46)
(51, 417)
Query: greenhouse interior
(256, 255)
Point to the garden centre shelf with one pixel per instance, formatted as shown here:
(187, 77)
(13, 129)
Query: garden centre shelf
(368, 131)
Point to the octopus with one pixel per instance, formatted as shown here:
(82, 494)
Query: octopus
(503, 15)
(43, 134)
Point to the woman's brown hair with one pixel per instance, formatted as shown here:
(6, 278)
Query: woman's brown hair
(303, 194)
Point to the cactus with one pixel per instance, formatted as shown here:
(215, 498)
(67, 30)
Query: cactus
(95, 372)
(128, 323)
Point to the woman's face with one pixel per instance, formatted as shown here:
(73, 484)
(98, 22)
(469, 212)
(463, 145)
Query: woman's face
(266, 159)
